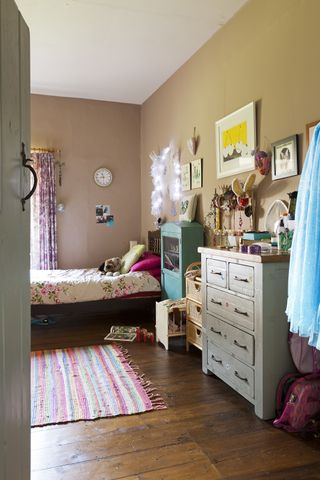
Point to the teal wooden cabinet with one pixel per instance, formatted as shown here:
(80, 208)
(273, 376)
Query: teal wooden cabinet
(179, 244)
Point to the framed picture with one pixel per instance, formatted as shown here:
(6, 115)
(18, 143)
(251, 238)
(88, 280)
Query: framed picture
(285, 158)
(196, 173)
(185, 177)
(309, 130)
(235, 142)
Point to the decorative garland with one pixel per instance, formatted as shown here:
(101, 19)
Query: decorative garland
(166, 177)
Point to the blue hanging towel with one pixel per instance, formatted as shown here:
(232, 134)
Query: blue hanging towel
(303, 307)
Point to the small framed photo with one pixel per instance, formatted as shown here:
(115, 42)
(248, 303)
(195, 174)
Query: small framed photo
(196, 173)
(185, 177)
(309, 130)
(285, 158)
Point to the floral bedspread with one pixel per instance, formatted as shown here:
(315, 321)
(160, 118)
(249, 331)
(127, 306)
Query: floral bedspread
(83, 285)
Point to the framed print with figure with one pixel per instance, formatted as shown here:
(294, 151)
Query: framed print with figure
(185, 177)
(236, 141)
(285, 158)
(196, 173)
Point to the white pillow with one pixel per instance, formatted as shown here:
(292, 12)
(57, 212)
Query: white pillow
(188, 208)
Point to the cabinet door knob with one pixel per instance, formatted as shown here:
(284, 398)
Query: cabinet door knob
(239, 345)
(241, 313)
(244, 379)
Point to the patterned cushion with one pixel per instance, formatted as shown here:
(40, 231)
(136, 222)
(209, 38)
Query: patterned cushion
(188, 208)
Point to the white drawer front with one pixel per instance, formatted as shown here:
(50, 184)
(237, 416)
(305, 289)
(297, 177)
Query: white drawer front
(194, 312)
(236, 342)
(235, 373)
(239, 311)
(217, 272)
(241, 279)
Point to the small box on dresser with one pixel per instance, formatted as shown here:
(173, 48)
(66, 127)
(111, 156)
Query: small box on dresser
(244, 325)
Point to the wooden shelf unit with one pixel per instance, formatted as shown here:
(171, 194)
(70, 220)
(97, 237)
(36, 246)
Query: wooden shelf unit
(193, 306)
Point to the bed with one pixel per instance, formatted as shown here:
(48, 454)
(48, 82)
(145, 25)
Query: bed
(87, 290)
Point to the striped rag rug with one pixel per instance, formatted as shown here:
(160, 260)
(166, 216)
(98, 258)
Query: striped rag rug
(85, 383)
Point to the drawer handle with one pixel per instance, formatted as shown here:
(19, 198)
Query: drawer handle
(239, 279)
(216, 360)
(244, 379)
(216, 273)
(215, 331)
(239, 345)
(198, 309)
(241, 313)
(215, 302)
(198, 332)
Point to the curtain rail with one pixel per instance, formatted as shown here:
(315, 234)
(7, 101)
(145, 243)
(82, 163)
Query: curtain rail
(45, 150)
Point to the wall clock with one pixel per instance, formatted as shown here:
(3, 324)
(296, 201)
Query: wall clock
(103, 177)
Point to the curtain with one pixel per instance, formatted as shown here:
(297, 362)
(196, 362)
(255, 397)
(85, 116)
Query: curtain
(43, 214)
(303, 307)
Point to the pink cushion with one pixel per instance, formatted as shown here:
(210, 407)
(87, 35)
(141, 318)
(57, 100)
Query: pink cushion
(155, 272)
(152, 261)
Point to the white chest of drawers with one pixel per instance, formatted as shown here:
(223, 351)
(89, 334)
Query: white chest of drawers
(244, 326)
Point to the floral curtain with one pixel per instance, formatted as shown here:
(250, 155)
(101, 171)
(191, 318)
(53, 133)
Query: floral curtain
(43, 214)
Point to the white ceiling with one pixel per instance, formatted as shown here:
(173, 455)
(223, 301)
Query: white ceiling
(116, 50)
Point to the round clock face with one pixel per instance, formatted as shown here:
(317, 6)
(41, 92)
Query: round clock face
(103, 177)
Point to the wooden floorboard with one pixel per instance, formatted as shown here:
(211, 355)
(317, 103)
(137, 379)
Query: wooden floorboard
(207, 432)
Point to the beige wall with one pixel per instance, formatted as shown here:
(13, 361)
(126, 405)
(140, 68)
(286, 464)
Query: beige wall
(268, 53)
(92, 134)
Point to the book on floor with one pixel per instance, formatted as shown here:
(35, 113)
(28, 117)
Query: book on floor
(122, 333)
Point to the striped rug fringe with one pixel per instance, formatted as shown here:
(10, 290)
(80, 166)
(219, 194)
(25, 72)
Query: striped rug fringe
(155, 398)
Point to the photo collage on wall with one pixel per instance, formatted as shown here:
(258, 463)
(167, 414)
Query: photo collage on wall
(103, 215)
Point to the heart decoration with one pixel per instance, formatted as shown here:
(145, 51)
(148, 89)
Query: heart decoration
(193, 143)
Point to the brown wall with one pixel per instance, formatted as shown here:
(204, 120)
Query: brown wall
(268, 53)
(91, 134)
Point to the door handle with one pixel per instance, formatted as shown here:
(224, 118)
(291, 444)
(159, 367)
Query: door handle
(240, 279)
(215, 302)
(32, 170)
(216, 359)
(215, 331)
(241, 313)
(244, 379)
(239, 345)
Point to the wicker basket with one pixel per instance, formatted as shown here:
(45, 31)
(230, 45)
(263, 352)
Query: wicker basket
(193, 285)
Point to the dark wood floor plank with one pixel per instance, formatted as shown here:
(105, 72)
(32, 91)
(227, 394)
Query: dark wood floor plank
(105, 446)
(207, 432)
(129, 464)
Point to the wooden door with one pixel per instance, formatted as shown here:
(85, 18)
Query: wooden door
(14, 246)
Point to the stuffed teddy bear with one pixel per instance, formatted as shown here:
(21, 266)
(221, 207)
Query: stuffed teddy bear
(111, 267)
